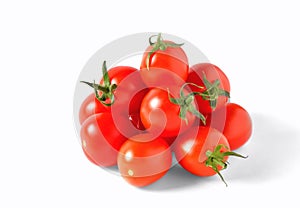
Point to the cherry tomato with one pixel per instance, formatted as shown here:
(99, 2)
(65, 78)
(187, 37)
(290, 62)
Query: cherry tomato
(203, 151)
(164, 63)
(101, 139)
(160, 115)
(215, 86)
(91, 106)
(191, 147)
(142, 163)
(236, 125)
(121, 89)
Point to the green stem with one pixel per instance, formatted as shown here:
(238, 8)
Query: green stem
(107, 88)
(216, 159)
(160, 44)
(97, 86)
(186, 104)
(212, 92)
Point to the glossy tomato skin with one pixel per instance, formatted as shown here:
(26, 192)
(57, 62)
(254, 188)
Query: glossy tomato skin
(91, 106)
(129, 122)
(212, 73)
(101, 139)
(143, 163)
(236, 125)
(130, 89)
(190, 149)
(166, 67)
(118, 73)
(158, 114)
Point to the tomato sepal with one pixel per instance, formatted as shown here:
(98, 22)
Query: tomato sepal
(186, 104)
(159, 45)
(107, 88)
(212, 92)
(216, 159)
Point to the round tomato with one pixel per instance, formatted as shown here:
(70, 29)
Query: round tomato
(203, 151)
(164, 63)
(90, 106)
(236, 125)
(191, 147)
(142, 163)
(163, 117)
(214, 86)
(121, 89)
(101, 139)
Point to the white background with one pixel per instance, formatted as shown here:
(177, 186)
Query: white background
(45, 44)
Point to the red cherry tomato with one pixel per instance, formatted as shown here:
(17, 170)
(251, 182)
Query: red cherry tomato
(190, 149)
(236, 125)
(130, 89)
(159, 114)
(164, 63)
(215, 95)
(203, 151)
(121, 88)
(101, 139)
(142, 163)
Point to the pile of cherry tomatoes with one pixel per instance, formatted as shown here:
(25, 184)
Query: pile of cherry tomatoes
(141, 120)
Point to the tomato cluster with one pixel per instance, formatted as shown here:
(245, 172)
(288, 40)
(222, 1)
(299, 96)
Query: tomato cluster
(141, 119)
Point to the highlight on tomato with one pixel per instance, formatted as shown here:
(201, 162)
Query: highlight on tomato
(143, 163)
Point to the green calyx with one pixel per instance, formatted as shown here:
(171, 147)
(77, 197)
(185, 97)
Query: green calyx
(216, 159)
(160, 44)
(212, 92)
(107, 88)
(186, 104)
